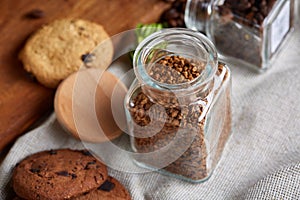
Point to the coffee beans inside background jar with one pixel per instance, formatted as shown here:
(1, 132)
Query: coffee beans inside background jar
(250, 31)
(242, 44)
(249, 12)
(174, 16)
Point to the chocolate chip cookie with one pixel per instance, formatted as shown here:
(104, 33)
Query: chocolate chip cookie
(58, 174)
(60, 48)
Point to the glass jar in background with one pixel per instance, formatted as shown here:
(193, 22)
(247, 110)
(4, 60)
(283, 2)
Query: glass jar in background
(249, 30)
(178, 107)
(297, 12)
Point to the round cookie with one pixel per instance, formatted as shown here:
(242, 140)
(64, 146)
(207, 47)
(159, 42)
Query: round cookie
(58, 174)
(110, 189)
(60, 48)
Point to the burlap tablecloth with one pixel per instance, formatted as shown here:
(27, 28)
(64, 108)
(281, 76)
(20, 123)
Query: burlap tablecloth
(261, 159)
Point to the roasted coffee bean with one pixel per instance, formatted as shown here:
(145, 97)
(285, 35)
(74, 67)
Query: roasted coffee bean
(107, 186)
(171, 14)
(242, 6)
(179, 5)
(174, 16)
(35, 14)
(248, 12)
(259, 17)
(254, 9)
(264, 11)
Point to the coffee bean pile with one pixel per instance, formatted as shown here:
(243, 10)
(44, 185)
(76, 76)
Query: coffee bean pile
(174, 16)
(249, 12)
(185, 122)
(175, 70)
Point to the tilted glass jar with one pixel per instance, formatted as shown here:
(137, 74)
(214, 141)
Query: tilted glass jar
(250, 30)
(178, 107)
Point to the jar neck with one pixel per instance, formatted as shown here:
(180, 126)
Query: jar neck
(185, 43)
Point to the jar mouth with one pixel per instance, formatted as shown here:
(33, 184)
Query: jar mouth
(181, 42)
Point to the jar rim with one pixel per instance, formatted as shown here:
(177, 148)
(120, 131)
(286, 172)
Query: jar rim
(142, 52)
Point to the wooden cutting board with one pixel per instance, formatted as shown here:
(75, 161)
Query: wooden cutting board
(22, 100)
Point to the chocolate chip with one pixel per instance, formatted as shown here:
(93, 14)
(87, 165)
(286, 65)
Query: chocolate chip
(52, 152)
(74, 176)
(35, 170)
(91, 163)
(88, 165)
(35, 14)
(62, 173)
(30, 76)
(107, 186)
(86, 153)
(88, 57)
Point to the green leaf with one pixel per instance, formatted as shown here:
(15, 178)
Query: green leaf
(144, 30)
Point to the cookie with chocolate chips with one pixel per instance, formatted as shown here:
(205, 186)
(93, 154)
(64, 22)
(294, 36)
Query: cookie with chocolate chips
(110, 189)
(58, 174)
(61, 47)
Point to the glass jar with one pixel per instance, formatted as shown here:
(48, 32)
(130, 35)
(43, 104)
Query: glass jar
(178, 108)
(250, 30)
